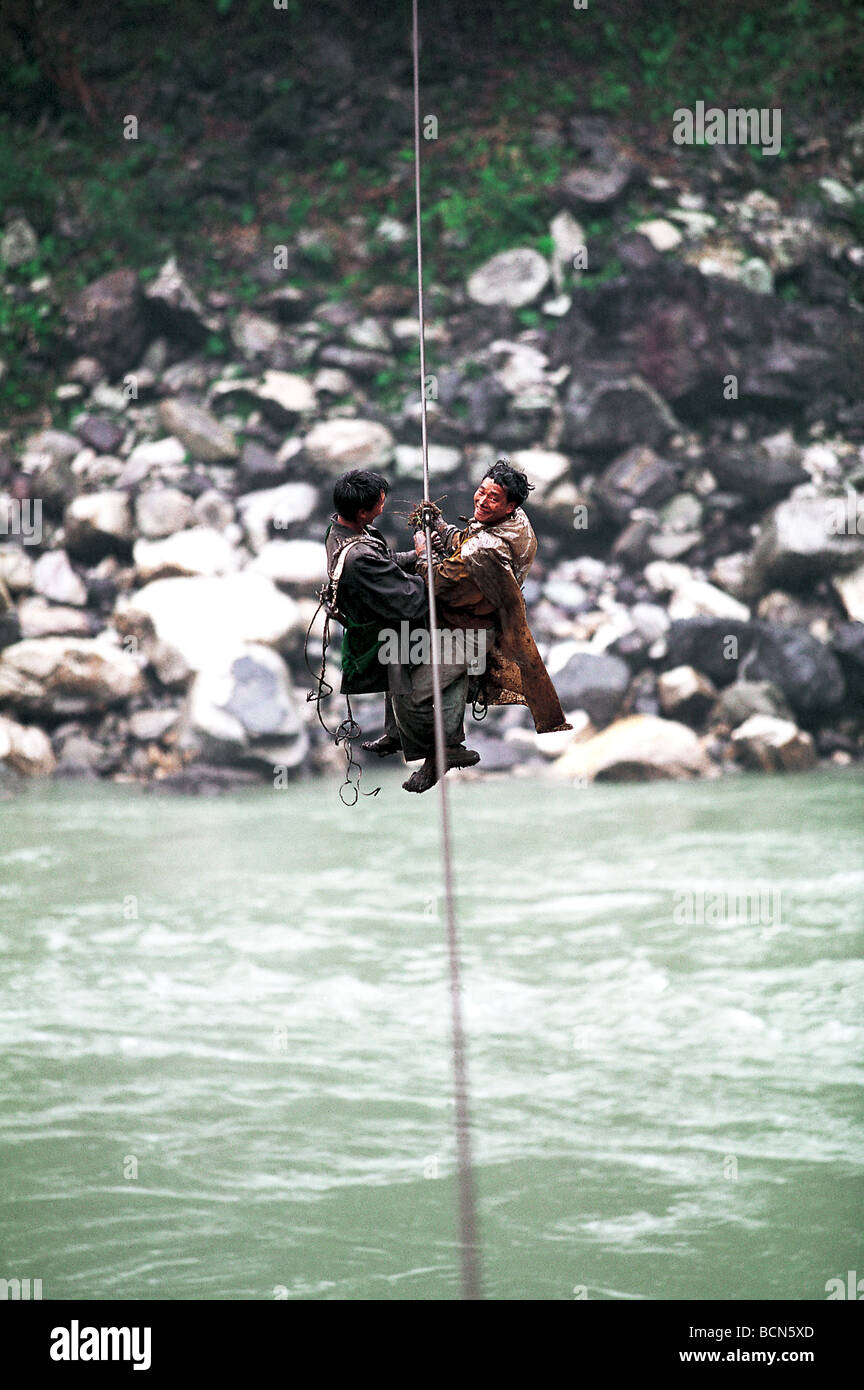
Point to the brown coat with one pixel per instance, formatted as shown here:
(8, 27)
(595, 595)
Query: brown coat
(478, 583)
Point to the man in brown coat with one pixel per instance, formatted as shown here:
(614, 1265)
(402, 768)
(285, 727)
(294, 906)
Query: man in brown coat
(478, 584)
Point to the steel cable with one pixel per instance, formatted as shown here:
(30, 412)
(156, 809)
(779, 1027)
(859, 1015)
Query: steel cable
(469, 1242)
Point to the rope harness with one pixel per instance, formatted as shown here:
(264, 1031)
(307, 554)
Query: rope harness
(348, 732)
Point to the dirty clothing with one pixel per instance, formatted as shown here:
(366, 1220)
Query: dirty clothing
(378, 589)
(413, 710)
(477, 584)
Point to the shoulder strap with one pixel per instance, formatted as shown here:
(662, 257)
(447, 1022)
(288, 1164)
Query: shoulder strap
(330, 594)
(376, 541)
(339, 563)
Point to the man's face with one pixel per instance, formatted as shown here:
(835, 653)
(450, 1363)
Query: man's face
(491, 503)
(367, 517)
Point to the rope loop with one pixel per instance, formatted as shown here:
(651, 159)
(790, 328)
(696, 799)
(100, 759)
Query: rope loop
(349, 730)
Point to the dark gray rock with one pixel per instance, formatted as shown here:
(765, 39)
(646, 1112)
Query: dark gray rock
(632, 547)
(632, 647)
(207, 779)
(805, 359)
(279, 118)
(56, 485)
(848, 643)
(643, 695)
(519, 429)
(635, 251)
(744, 698)
(594, 682)
(684, 332)
(360, 361)
(591, 137)
(174, 306)
(101, 433)
(637, 478)
(607, 411)
(259, 468)
(495, 754)
(805, 670)
(755, 474)
(288, 302)
(10, 629)
(80, 756)
(714, 646)
(106, 320)
(487, 401)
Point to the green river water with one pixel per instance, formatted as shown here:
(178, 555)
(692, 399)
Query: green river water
(225, 1040)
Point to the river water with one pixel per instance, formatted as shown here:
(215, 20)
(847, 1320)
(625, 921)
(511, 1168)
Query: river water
(225, 1036)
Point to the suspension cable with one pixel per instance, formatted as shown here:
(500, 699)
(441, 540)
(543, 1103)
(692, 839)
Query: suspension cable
(470, 1251)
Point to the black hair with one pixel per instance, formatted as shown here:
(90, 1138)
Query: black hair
(358, 491)
(513, 481)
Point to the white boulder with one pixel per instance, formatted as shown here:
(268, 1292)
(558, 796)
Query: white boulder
(514, 278)
(300, 564)
(68, 675)
(200, 617)
(641, 748)
(336, 445)
(198, 551)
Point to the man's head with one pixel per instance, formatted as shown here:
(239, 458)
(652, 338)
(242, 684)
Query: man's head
(359, 495)
(502, 490)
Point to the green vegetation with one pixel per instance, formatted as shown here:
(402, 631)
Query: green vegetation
(240, 148)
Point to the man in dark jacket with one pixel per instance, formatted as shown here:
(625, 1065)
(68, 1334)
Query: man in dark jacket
(377, 590)
(377, 586)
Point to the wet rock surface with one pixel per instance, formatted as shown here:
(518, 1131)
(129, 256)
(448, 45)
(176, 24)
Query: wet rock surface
(695, 437)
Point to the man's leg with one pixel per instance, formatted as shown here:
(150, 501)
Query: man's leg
(455, 676)
(414, 724)
(453, 711)
(389, 742)
(414, 711)
(417, 713)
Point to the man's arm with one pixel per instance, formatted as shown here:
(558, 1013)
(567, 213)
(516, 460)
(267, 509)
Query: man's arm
(385, 586)
(485, 574)
(449, 537)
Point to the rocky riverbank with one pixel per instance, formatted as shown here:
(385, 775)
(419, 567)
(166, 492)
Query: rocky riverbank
(694, 428)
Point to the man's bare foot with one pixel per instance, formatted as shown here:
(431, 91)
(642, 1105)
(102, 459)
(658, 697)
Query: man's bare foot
(427, 775)
(383, 746)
